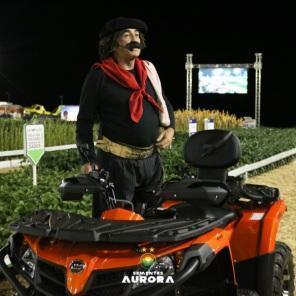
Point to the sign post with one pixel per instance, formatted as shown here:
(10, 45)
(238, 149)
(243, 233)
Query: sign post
(34, 145)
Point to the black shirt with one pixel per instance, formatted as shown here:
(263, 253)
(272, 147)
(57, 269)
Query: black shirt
(103, 98)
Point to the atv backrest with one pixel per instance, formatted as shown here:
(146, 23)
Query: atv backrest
(212, 152)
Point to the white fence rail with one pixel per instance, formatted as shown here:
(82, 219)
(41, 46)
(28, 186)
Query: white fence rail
(262, 163)
(234, 173)
(50, 148)
(15, 163)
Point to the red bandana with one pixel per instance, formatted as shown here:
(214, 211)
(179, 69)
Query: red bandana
(128, 80)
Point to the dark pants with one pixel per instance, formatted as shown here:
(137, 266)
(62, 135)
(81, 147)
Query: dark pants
(134, 179)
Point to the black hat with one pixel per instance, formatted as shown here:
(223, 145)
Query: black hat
(121, 23)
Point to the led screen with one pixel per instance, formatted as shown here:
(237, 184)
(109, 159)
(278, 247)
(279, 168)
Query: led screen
(223, 80)
(70, 112)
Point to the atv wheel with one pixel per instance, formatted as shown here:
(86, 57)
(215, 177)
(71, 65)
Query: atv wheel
(283, 271)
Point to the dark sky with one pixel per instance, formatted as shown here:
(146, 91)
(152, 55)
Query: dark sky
(47, 48)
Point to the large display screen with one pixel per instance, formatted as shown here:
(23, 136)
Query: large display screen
(223, 80)
(70, 112)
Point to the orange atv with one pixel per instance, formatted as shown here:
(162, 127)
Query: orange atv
(210, 235)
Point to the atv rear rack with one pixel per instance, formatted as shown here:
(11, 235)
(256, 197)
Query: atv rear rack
(74, 227)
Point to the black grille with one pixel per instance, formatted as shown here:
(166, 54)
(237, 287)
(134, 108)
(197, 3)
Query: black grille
(107, 291)
(108, 283)
(50, 278)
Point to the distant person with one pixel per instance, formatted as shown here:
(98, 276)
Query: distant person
(65, 115)
(125, 93)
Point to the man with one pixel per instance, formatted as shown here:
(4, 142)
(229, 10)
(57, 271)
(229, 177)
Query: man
(124, 93)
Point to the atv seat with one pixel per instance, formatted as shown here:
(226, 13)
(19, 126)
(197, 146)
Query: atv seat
(212, 152)
(187, 210)
(195, 191)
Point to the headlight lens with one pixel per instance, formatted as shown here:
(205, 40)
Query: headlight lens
(21, 251)
(7, 261)
(28, 262)
(162, 267)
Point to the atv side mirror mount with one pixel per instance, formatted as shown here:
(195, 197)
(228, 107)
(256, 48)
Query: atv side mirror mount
(97, 183)
(74, 188)
(70, 192)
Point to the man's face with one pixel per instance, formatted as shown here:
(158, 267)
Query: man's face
(128, 37)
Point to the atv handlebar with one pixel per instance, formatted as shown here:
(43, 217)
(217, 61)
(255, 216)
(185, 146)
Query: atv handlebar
(97, 183)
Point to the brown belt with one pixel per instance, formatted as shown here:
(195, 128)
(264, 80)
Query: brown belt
(125, 151)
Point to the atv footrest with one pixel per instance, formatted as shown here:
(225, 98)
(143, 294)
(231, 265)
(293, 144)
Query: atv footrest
(74, 227)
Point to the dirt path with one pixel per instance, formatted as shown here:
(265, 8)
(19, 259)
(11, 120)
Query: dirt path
(283, 178)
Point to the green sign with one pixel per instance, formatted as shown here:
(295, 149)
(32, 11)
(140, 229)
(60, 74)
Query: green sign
(34, 142)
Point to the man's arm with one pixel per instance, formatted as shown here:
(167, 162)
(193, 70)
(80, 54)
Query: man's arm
(88, 113)
(165, 139)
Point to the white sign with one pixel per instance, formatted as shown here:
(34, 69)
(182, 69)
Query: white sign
(209, 124)
(34, 142)
(249, 122)
(192, 126)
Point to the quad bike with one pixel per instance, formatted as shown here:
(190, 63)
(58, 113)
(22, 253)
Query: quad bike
(210, 235)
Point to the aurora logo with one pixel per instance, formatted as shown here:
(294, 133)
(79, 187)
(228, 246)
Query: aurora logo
(140, 277)
(151, 272)
(147, 260)
(77, 266)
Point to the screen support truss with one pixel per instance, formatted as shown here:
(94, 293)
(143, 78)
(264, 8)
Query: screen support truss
(257, 65)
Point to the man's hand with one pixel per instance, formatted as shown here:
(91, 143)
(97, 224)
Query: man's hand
(87, 168)
(165, 139)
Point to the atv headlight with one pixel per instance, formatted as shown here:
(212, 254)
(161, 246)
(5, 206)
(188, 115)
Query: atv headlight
(28, 262)
(21, 252)
(163, 265)
(7, 261)
(158, 272)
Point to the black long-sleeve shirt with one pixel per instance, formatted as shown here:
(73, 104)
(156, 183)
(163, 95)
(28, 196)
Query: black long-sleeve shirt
(103, 98)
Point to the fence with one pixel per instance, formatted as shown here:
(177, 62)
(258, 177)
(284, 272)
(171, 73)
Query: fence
(259, 164)
(15, 163)
(244, 170)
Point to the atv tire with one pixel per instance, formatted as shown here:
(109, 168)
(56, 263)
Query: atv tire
(283, 271)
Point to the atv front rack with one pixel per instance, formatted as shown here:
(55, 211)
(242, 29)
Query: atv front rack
(74, 227)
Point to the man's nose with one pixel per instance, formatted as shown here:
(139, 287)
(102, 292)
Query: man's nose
(134, 37)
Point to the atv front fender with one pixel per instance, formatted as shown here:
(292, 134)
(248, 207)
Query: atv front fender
(270, 226)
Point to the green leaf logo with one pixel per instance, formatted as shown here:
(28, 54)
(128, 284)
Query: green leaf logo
(147, 260)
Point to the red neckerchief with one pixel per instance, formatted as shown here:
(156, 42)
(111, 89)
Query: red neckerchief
(128, 80)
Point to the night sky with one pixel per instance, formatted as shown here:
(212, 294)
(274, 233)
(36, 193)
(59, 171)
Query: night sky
(47, 48)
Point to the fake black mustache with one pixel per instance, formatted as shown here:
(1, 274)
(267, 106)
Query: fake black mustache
(130, 46)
